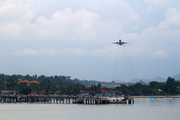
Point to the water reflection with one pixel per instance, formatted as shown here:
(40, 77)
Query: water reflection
(160, 102)
(143, 109)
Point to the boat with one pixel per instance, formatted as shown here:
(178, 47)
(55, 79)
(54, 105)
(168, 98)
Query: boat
(152, 97)
(10, 101)
(169, 97)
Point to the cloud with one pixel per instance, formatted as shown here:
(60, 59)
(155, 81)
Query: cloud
(157, 40)
(161, 53)
(83, 32)
(149, 9)
(108, 52)
(84, 25)
(66, 22)
(62, 24)
(27, 52)
(15, 11)
(172, 18)
(157, 2)
(135, 28)
(167, 30)
(15, 19)
(134, 17)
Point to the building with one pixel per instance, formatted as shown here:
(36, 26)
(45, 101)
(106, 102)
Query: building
(27, 82)
(15, 92)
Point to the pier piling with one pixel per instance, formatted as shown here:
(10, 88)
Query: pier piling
(61, 99)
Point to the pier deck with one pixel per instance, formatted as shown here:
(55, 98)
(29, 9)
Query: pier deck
(66, 99)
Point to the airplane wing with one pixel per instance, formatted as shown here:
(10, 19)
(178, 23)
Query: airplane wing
(115, 43)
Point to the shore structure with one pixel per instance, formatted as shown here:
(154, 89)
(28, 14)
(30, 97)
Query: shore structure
(66, 99)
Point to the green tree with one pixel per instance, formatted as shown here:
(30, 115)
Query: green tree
(154, 84)
(46, 81)
(178, 89)
(171, 85)
(99, 85)
(13, 78)
(26, 91)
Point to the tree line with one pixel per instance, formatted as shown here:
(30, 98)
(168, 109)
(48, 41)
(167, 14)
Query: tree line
(73, 86)
(170, 87)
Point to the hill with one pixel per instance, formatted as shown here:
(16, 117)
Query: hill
(158, 79)
(177, 77)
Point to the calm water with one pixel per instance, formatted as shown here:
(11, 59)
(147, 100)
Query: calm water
(143, 109)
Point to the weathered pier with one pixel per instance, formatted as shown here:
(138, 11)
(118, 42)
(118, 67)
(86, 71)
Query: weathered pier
(66, 99)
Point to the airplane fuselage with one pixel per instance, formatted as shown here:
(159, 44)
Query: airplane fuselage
(120, 43)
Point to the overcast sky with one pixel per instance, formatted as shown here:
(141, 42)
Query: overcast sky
(74, 38)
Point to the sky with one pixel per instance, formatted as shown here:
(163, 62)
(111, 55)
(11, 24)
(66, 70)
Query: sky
(74, 38)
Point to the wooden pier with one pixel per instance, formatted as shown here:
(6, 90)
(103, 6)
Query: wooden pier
(66, 99)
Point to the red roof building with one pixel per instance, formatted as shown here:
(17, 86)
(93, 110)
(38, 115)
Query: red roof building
(19, 79)
(91, 91)
(104, 91)
(25, 81)
(108, 91)
(33, 92)
(82, 91)
(57, 92)
(42, 92)
(7, 82)
(35, 82)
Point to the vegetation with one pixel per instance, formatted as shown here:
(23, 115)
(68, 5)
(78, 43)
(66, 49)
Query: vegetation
(154, 88)
(73, 86)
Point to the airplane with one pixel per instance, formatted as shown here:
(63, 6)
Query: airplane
(120, 43)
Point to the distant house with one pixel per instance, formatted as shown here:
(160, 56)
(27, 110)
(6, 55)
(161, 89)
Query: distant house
(33, 92)
(15, 92)
(109, 92)
(86, 92)
(104, 91)
(42, 92)
(39, 92)
(19, 80)
(7, 82)
(34, 81)
(27, 82)
(57, 92)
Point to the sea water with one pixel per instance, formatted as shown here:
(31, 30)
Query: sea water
(142, 109)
